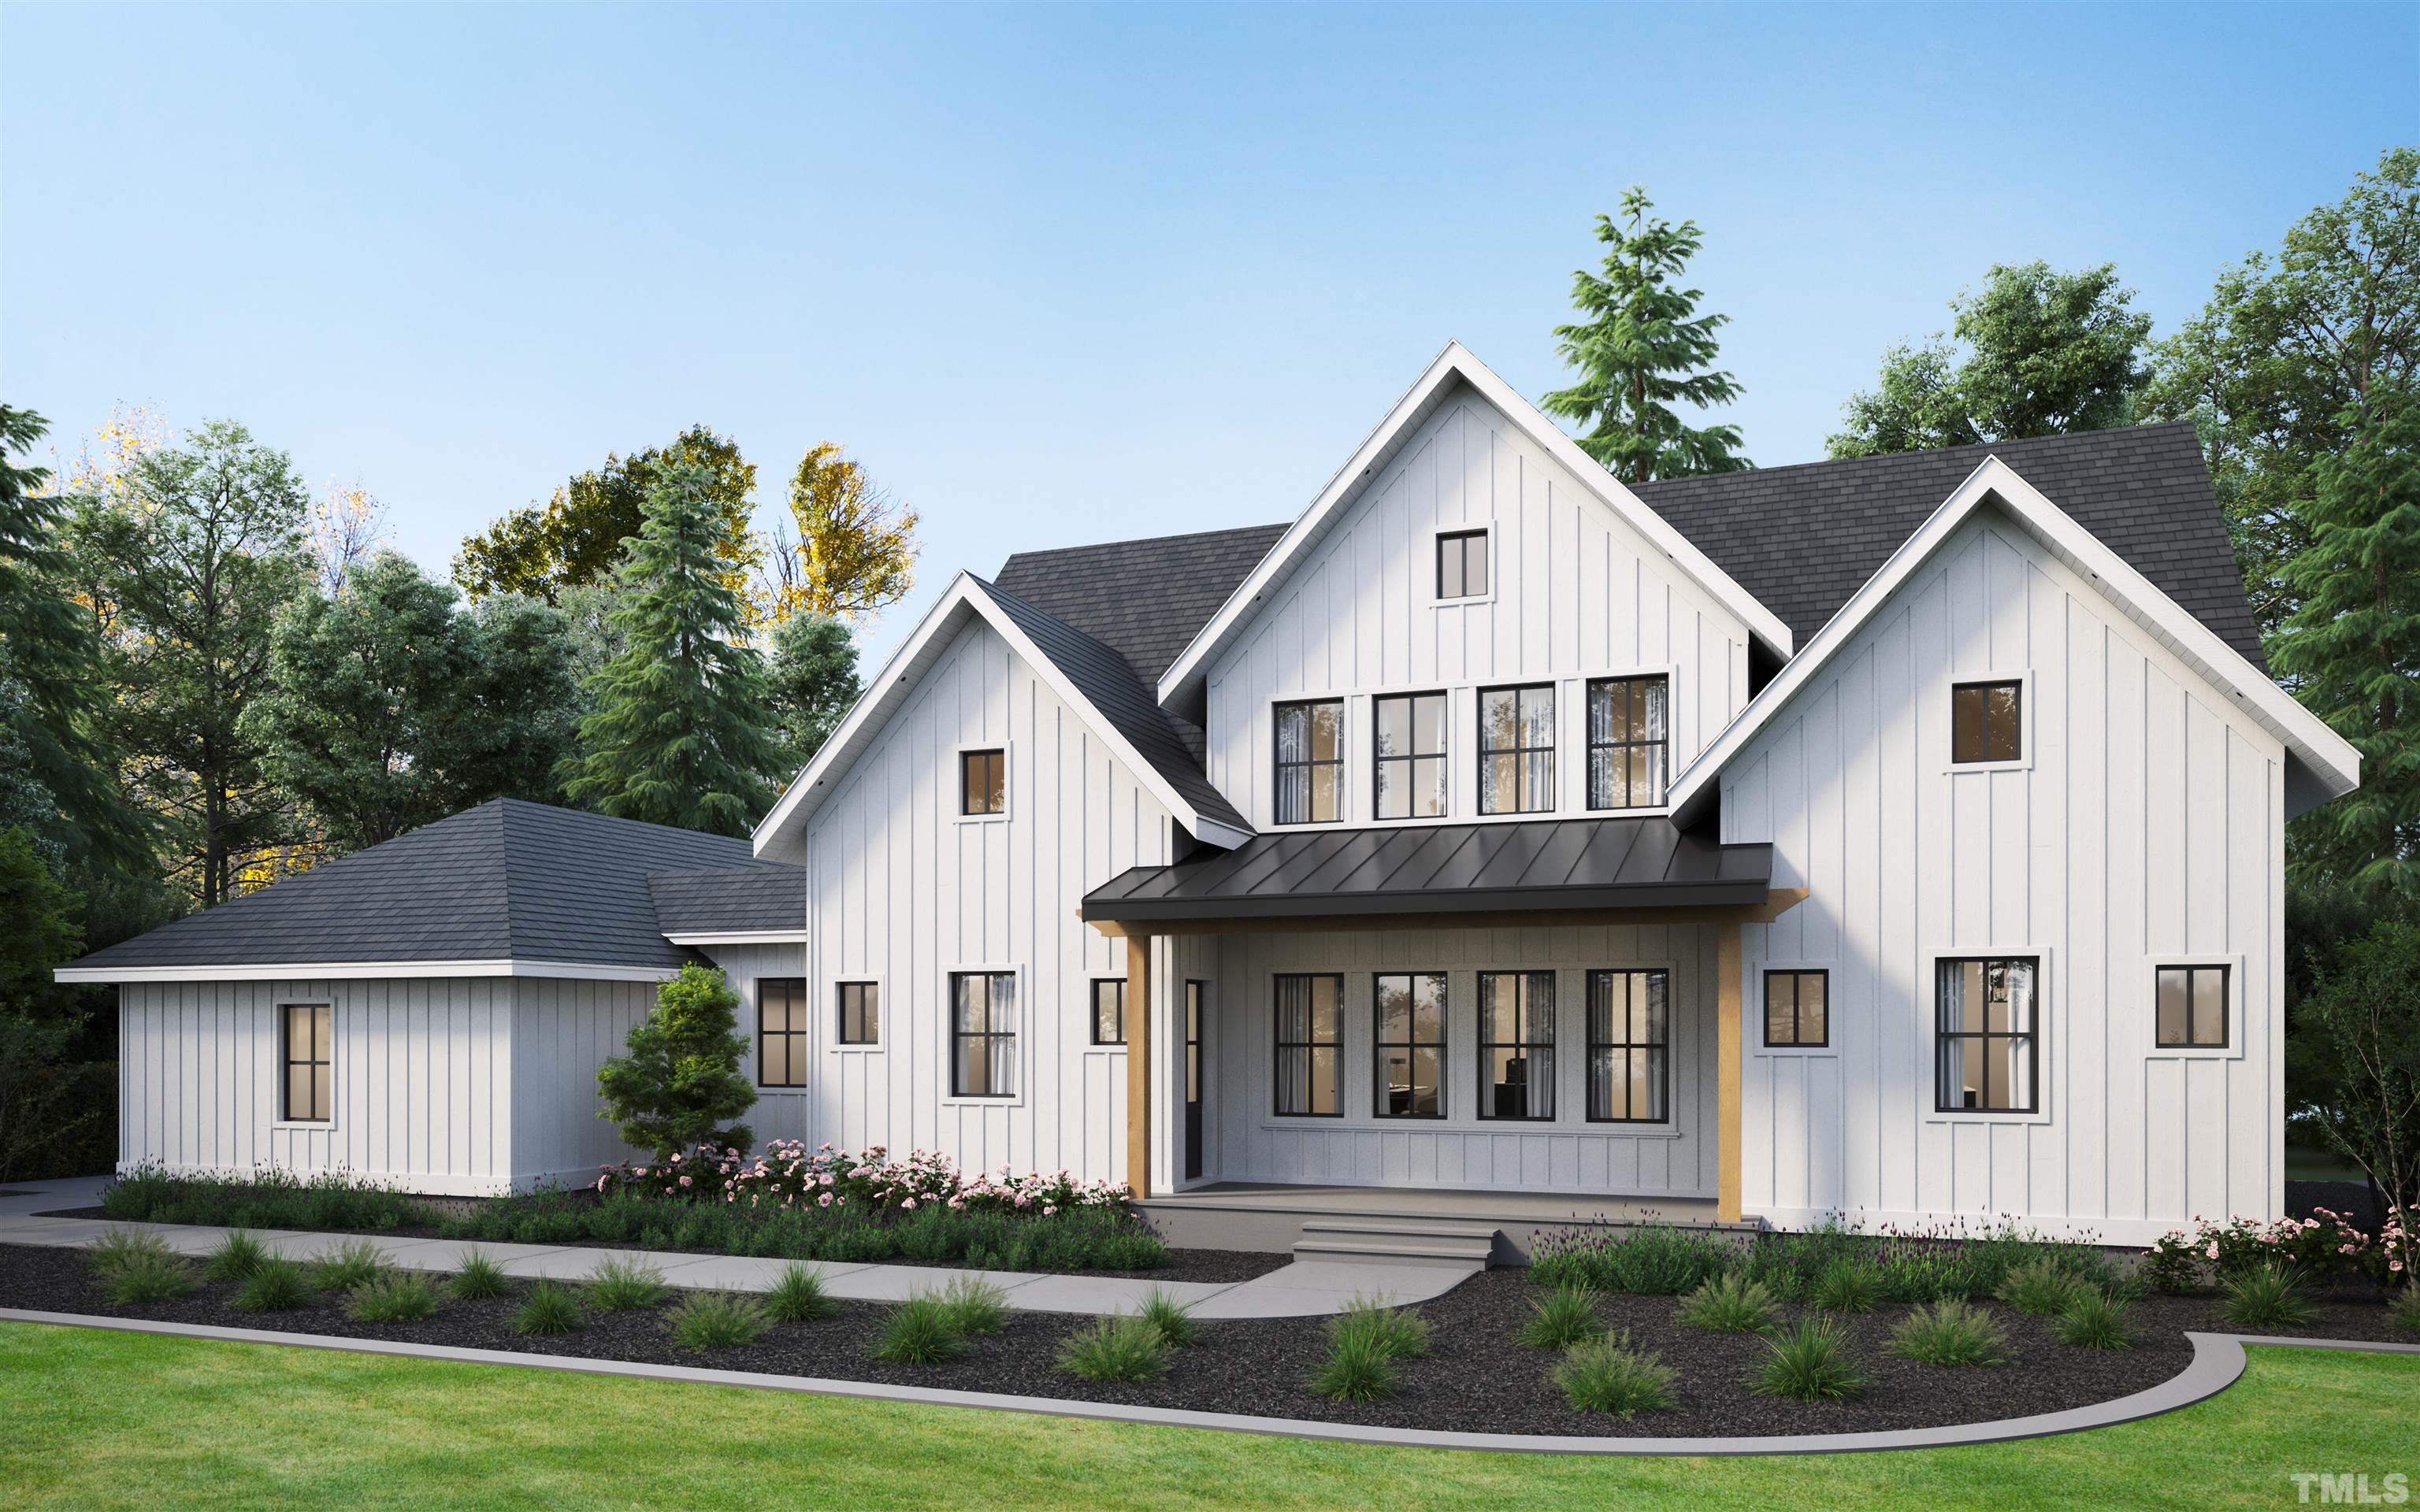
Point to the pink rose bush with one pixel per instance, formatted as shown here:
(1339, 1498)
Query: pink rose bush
(786, 1174)
(2325, 1244)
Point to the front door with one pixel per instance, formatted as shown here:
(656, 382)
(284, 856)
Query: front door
(1192, 1081)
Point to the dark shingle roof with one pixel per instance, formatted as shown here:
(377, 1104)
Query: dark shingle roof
(1144, 600)
(1804, 538)
(742, 898)
(506, 879)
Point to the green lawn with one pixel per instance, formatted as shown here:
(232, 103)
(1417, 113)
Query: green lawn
(90, 1419)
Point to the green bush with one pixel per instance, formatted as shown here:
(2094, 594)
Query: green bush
(119, 1248)
(148, 1277)
(1560, 1318)
(1129, 1348)
(549, 1308)
(2094, 1320)
(237, 1258)
(343, 1266)
(1173, 1320)
(276, 1285)
(2041, 1287)
(331, 1201)
(920, 1330)
(479, 1278)
(1729, 1304)
(1604, 1373)
(798, 1297)
(1359, 1367)
(1846, 1286)
(2403, 1311)
(1810, 1362)
(1655, 1260)
(391, 1298)
(1951, 1333)
(975, 1305)
(685, 1076)
(715, 1320)
(2266, 1296)
(1398, 1332)
(619, 1285)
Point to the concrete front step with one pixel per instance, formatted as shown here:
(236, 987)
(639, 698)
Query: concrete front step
(1379, 1242)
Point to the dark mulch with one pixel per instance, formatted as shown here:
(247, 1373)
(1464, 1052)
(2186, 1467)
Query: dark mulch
(1474, 1378)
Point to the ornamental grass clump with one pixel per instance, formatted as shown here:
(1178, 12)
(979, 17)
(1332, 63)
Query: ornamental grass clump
(1127, 1347)
(1729, 1304)
(1811, 1364)
(975, 1305)
(2095, 1321)
(2265, 1296)
(920, 1330)
(549, 1308)
(276, 1285)
(1170, 1318)
(619, 1285)
(148, 1275)
(1605, 1373)
(479, 1278)
(715, 1320)
(1655, 1260)
(1359, 1368)
(1846, 1286)
(798, 1297)
(343, 1266)
(393, 1298)
(1951, 1333)
(2041, 1287)
(237, 1256)
(1560, 1318)
(1398, 1332)
(119, 1248)
(2403, 1312)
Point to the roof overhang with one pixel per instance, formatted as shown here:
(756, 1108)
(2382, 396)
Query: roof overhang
(359, 971)
(749, 936)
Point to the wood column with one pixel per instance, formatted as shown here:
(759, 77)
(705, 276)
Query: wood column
(1728, 1029)
(1139, 1008)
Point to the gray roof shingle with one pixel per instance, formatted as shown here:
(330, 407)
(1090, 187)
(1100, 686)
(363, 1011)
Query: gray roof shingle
(736, 900)
(1146, 600)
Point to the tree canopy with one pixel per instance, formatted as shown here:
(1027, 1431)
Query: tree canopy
(855, 553)
(810, 681)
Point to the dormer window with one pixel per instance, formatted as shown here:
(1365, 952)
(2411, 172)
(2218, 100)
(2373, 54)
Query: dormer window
(1311, 762)
(1462, 565)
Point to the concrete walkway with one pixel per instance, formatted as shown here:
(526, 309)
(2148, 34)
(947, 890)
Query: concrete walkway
(1300, 1290)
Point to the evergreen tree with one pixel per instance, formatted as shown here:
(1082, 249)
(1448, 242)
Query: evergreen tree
(812, 679)
(679, 730)
(686, 1074)
(1641, 349)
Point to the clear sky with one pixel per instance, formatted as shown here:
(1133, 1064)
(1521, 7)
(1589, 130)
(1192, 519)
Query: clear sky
(1068, 274)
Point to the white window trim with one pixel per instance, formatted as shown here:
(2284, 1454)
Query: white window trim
(831, 1005)
(950, 1097)
(1007, 781)
(1830, 1048)
(1670, 672)
(335, 1059)
(2026, 711)
(1348, 790)
(1086, 1045)
(1483, 527)
(2046, 998)
(2152, 1049)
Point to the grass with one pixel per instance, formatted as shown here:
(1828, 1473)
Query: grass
(2095, 1322)
(479, 1278)
(2404, 1310)
(1729, 1304)
(920, 1330)
(975, 1305)
(237, 1256)
(798, 1297)
(118, 1249)
(2266, 1296)
(343, 1266)
(1172, 1320)
(715, 1320)
(1127, 1347)
(1846, 1286)
(138, 1268)
(1810, 1362)
(1560, 1318)
(266, 1198)
(127, 1421)
(1951, 1333)
(394, 1298)
(2040, 1286)
(1357, 1368)
(1397, 1332)
(549, 1308)
(1607, 1374)
(275, 1285)
(618, 1285)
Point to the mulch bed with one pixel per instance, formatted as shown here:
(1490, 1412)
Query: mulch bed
(1474, 1378)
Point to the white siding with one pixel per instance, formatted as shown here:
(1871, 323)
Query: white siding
(562, 1032)
(1576, 593)
(2147, 826)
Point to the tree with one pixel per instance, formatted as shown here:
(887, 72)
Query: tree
(685, 1073)
(811, 680)
(348, 529)
(2037, 353)
(577, 537)
(1641, 349)
(48, 1103)
(2285, 363)
(678, 734)
(2366, 1013)
(856, 549)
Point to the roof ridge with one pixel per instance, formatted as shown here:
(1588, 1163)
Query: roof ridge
(1882, 458)
(1143, 540)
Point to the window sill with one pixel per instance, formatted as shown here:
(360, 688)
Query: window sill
(981, 818)
(960, 1100)
(1105, 1050)
(2194, 1052)
(1963, 768)
(1985, 1116)
(1373, 1123)
(1465, 601)
(875, 1049)
(784, 1092)
(1798, 1052)
(309, 1125)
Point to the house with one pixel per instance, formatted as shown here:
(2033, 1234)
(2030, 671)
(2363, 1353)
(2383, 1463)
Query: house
(1898, 837)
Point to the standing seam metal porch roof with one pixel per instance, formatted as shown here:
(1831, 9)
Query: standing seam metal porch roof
(1515, 866)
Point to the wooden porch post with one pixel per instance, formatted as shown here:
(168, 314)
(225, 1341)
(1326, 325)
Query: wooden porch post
(1138, 1064)
(1728, 1030)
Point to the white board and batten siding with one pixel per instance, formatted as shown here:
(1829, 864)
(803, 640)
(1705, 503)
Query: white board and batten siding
(2143, 827)
(1576, 592)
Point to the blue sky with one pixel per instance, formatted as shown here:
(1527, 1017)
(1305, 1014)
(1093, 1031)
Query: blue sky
(1071, 275)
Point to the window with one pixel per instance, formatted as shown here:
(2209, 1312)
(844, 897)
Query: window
(1109, 1011)
(1462, 563)
(861, 1012)
(307, 1089)
(984, 781)
(782, 1031)
(1516, 1044)
(1630, 1046)
(1628, 751)
(1411, 1045)
(1411, 755)
(1311, 762)
(1516, 749)
(1986, 722)
(2193, 1008)
(1193, 1043)
(1310, 1033)
(1797, 1007)
(983, 1005)
(1986, 1035)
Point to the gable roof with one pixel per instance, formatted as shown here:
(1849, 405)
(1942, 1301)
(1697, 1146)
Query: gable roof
(1804, 538)
(1143, 599)
(508, 889)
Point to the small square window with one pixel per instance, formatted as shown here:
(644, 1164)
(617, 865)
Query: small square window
(1462, 565)
(1986, 722)
(982, 781)
(861, 1012)
(1109, 1011)
(2193, 1008)
(1797, 1007)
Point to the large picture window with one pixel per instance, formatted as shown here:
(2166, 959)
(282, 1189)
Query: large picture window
(782, 1031)
(1516, 749)
(1411, 1044)
(1109, 1011)
(861, 1012)
(1986, 722)
(983, 1007)
(2193, 1008)
(1309, 1046)
(1516, 1044)
(1410, 748)
(1630, 1046)
(1797, 1007)
(1311, 762)
(1629, 743)
(309, 1095)
(1986, 1034)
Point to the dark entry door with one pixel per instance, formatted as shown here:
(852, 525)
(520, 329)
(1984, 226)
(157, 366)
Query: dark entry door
(1193, 1080)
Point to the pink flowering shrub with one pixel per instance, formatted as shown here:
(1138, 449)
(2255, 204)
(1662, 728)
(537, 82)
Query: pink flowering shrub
(2323, 1245)
(787, 1175)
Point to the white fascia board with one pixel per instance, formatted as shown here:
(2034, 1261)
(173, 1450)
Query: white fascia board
(753, 936)
(2332, 762)
(362, 970)
(1367, 461)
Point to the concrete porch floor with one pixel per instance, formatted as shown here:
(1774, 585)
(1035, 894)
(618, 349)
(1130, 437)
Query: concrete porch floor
(1269, 1215)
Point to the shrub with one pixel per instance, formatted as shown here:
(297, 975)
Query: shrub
(1560, 1318)
(686, 1074)
(1655, 1260)
(334, 1201)
(276, 1285)
(2325, 1244)
(2094, 1320)
(798, 1297)
(1359, 1368)
(479, 1277)
(1810, 1362)
(549, 1308)
(715, 1320)
(118, 1249)
(975, 1305)
(918, 1330)
(2403, 1312)
(394, 1298)
(1729, 1304)
(619, 1285)
(1950, 1332)
(149, 1276)
(1604, 1373)
(237, 1258)
(1398, 1332)
(1129, 1348)
(2040, 1286)
(1846, 1286)
(1174, 1322)
(343, 1266)
(2267, 1296)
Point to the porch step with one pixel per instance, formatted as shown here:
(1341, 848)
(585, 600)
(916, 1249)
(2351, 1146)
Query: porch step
(1383, 1241)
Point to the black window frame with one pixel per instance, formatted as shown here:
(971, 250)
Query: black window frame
(1458, 541)
(1382, 1089)
(869, 1010)
(991, 1033)
(1308, 765)
(1279, 1080)
(794, 1038)
(998, 788)
(1410, 760)
(1797, 976)
(1196, 1001)
(2225, 973)
(1659, 1052)
(1984, 688)
(1944, 1037)
(1660, 750)
(319, 1056)
(1485, 754)
(1093, 1004)
(1526, 1042)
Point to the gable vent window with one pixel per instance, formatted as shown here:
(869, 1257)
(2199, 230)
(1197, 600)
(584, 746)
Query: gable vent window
(1516, 749)
(1462, 565)
(2193, 1008)
(1629, 743)
(1311, 762)
(1411, 755)
(1986, 722)
(982, 781)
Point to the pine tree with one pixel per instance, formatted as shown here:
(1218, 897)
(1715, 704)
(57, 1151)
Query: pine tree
(1642, 349)
(679, 731)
